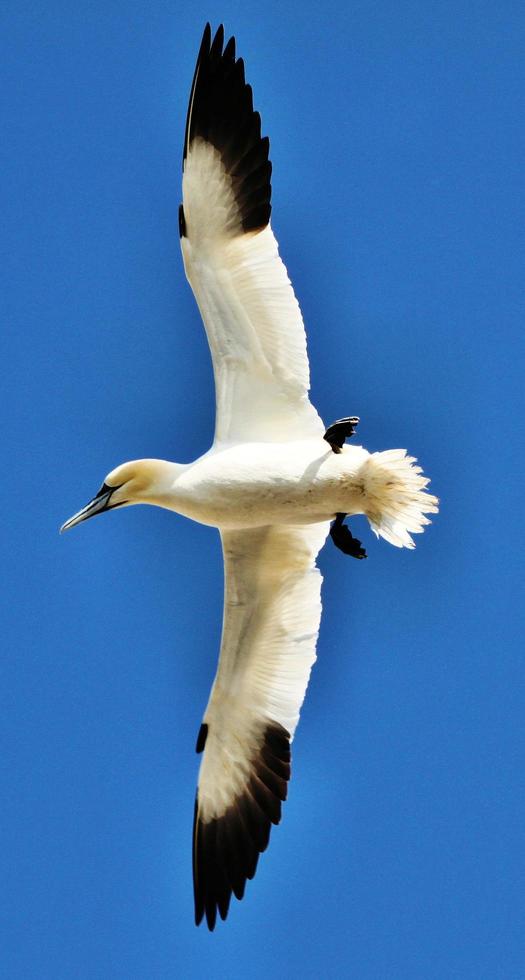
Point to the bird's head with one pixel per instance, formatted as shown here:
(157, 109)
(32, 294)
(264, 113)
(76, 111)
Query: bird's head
(138, 482)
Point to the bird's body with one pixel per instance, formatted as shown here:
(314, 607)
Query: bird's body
(253, 484)
(272, 482)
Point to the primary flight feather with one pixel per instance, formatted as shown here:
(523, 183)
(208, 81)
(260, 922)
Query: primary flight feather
(274, 483)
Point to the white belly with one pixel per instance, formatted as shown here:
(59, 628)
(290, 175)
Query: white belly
(255, 484)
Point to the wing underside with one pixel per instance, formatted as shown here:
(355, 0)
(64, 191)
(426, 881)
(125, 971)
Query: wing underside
(252, 317)
(272, 610)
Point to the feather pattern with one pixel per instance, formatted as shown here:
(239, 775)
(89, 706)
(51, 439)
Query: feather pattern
(250, 312)
(273, 483)
(272, 609)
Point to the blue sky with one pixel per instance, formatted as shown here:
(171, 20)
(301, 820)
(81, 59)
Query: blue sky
(397, 141)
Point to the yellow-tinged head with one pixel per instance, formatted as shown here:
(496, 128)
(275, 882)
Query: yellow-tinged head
(138, 482)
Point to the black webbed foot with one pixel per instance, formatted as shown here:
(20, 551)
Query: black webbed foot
(339, 431)
(344, 540)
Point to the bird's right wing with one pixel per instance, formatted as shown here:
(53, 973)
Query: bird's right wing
(272, 610)
(252, 317)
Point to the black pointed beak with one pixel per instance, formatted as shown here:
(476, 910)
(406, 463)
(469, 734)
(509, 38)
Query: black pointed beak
(98, 505)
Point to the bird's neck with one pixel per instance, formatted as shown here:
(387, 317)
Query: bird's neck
(160, 479)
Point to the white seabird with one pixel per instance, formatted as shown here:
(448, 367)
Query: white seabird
(274, 483)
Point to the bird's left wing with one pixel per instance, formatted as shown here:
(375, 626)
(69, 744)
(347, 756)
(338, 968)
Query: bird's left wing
(272, 609)
(252, 318)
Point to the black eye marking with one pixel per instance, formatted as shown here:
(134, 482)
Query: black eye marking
(105, 488)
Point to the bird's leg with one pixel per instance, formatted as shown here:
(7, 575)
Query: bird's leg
(343, 538)
(339, 431)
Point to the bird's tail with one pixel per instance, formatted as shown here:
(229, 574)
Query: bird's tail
(396, 500)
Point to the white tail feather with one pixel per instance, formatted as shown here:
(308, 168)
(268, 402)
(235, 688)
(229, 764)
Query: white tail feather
(395, 495)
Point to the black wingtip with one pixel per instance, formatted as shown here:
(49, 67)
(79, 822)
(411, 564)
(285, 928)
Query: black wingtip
(197, 890)
(217, 43)
(206, 36)
(221, 113)
(226, 849)
(203, 51)
(229, 51)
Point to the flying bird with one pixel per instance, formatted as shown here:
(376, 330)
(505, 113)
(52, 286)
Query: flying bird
(275, 482)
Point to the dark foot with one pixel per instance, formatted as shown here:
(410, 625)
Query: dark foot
(344, 540)
(339, 431)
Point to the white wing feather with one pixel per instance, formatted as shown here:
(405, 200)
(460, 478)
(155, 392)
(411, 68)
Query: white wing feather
(252, 317)
(272, 611)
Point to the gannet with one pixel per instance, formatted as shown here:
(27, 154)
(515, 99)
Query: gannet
(275, 481)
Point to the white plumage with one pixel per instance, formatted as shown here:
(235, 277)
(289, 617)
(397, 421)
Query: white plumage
(272, 611)
(274, 482)
(252, 318)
